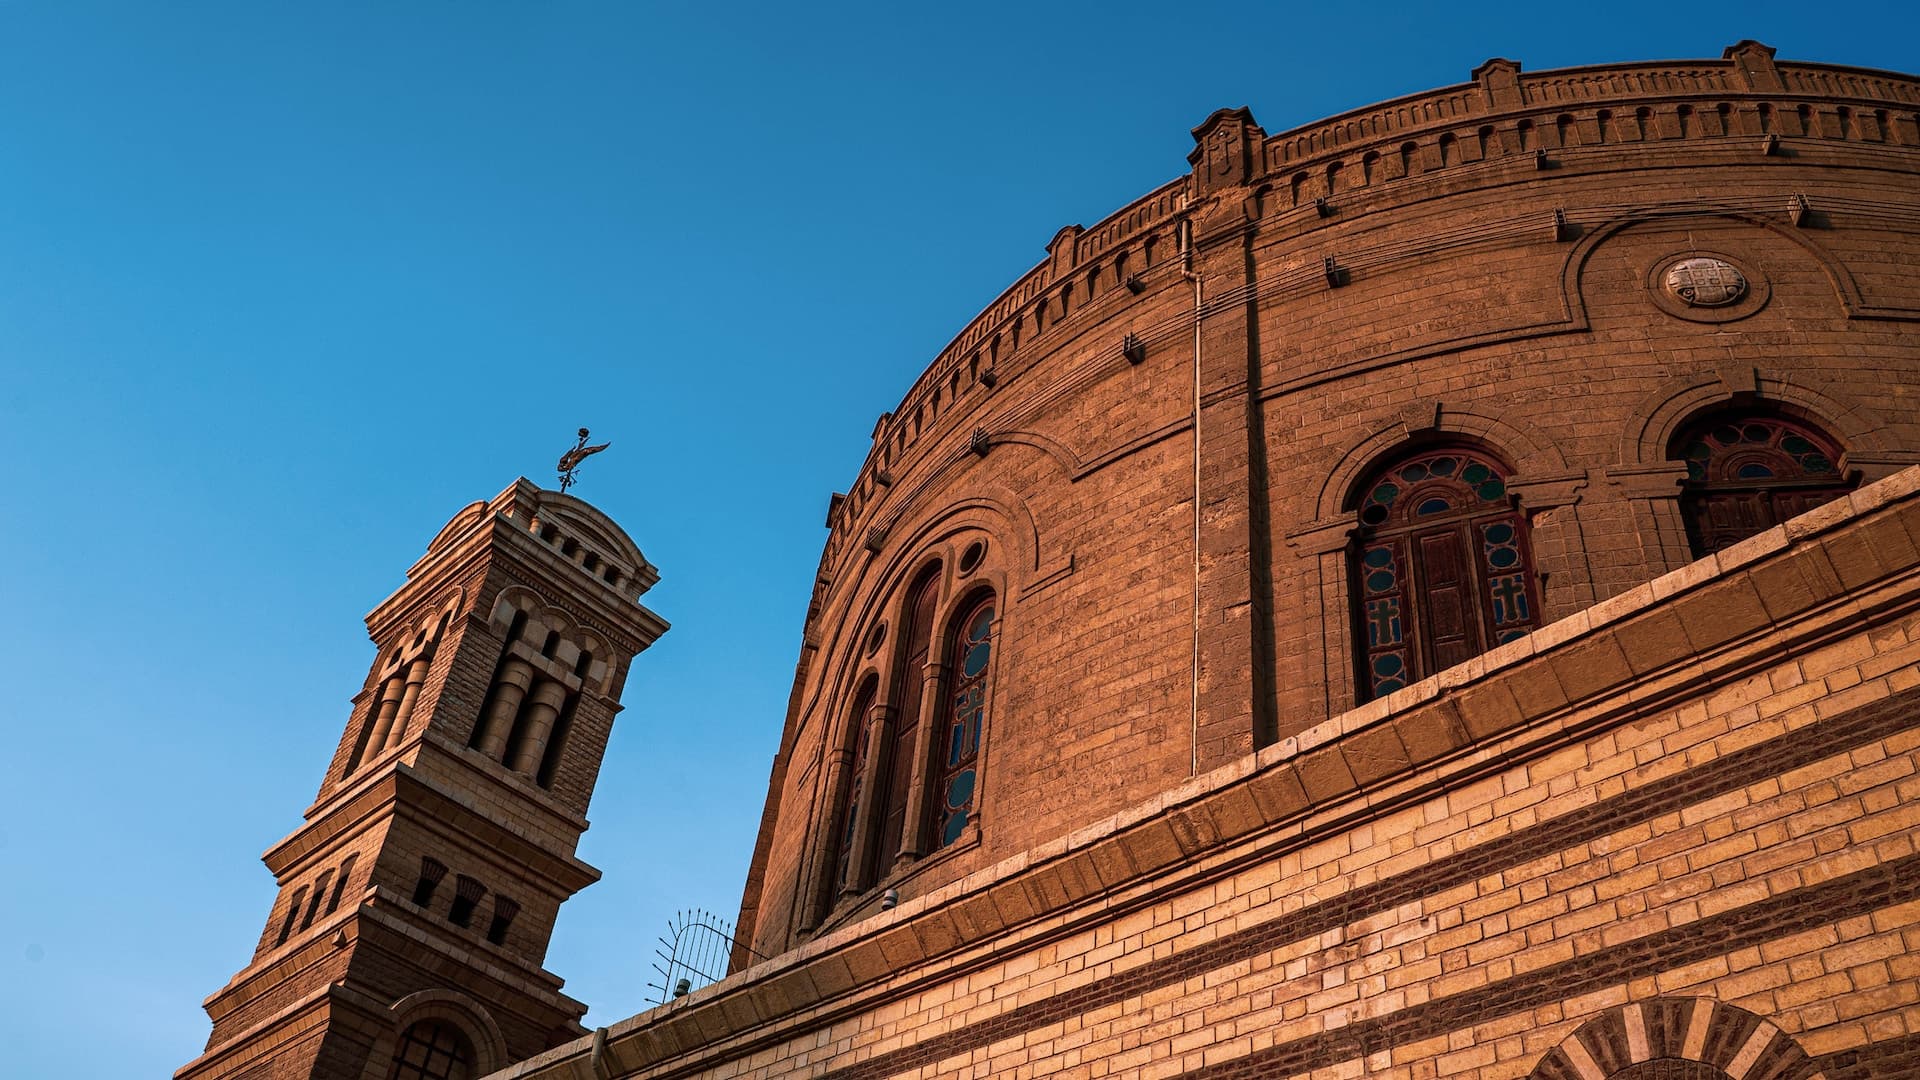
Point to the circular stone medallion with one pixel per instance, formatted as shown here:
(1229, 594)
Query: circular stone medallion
(1705, 282)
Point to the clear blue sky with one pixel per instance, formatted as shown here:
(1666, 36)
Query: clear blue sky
(282, 286)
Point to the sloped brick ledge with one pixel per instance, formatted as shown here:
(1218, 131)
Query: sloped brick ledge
(1786, 591)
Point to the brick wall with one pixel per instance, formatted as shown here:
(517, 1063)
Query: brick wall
(1679, 824)
(1157, 620)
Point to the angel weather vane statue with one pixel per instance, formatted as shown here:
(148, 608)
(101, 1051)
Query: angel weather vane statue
(570, 461)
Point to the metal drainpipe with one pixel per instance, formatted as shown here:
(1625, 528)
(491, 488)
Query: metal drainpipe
(1185, 232)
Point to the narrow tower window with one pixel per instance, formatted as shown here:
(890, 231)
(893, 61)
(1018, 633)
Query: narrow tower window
(1442, 568)
(293, 912)
(340, 886)
(319, 897)
(431, 871)
(503, 912)
(466, 896)
(910, 682)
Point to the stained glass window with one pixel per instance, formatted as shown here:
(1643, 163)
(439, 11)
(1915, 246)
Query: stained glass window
(433, 1050)
(1442, 570)
(910, 683)
(1748, 473)
(847, 874)
(965, 716)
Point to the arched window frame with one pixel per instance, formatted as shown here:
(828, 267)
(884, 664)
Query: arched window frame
(1751, 469)
(965, 709)
(434, 1049)
(1435, 587)
(893, 787)
(848, 872)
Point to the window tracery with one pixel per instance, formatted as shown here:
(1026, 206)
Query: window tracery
(910, 684)
(1441, 566)
(969, 649)
(1747, 472)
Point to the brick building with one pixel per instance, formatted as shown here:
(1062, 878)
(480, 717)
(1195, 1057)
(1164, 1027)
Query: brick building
(1432, 593)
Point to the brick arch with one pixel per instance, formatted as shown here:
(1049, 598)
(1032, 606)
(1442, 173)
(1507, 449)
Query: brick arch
(1846, 290)
(1063, 455)
(1660, 415)
(448, 1006)
(1531, 453)
(1009, 529)
(1625, 1043)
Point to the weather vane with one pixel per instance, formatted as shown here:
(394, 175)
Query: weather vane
(570, 461)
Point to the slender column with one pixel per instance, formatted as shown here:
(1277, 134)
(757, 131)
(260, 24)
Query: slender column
(880, 720)
(933, 694)
(391, 693)
(516, 675)
(822, 885)
(542, 709)
(416, 678)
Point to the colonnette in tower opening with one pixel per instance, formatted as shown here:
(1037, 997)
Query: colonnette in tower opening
(1432, 593)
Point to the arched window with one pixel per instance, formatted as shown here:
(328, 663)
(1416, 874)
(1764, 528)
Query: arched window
(433, 1050)
(1747, 473)
(909, 686)
(1442, 569)
(847, 873)
(956, 780)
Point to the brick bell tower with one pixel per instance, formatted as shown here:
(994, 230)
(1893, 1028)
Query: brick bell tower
(417, 900)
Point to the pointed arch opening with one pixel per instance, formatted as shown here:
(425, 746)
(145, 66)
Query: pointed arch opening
(1441, 566)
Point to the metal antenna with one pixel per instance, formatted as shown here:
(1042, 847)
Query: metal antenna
(570, 461)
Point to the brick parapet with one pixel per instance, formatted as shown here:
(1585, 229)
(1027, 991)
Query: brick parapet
(1703, 785)
(1461, 312)
(1355, 154)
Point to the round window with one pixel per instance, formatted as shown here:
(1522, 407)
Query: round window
(970, 558)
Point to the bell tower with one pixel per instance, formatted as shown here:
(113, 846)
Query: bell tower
(417, 900)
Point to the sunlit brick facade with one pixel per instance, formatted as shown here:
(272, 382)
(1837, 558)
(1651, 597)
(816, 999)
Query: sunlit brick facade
(1434, 593)
(1453, 611)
